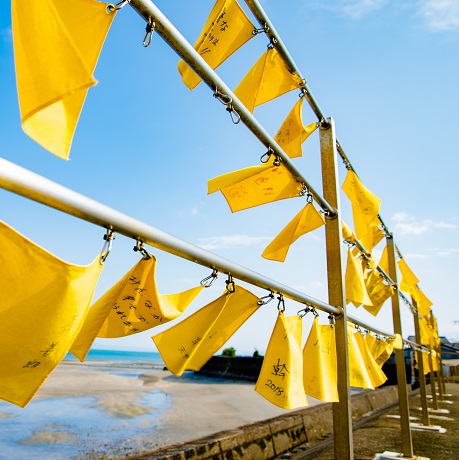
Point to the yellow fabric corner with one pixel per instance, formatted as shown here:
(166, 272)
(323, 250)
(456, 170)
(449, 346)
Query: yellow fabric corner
(358, 373)
(375, 345)
(384, 260)
(319, 363)
(409, 279)
(307, 220)
(267, 79)
(191, 343)
(256, 185)
(375, 373)
(348, 234)
(131, 306)
(378, 292)
(425, 362)
(44, 303)
(365, 209)
(356, 291)
(398, 342)
(423, 303)
(227, 29)
(293, 133)
(281, 376)
(56, 47)
(385, 355)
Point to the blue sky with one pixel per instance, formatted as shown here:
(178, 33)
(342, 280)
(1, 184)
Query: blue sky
(386, 71)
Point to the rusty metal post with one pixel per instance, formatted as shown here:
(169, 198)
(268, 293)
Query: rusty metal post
(422, 377)
(342, 411)
(407, 443)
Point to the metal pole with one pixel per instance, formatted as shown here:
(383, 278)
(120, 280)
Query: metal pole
(433, 390)
(180, 45)
(407, 444)
(439, 373)
(422, 377)
(342, 411)
(37, 188)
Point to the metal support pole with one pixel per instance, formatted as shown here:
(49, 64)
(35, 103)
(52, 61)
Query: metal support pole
(185, 50)
(342, 411)
(422, 377)
(407, 444)
(439, 373)
(433, 390)
(35, 187)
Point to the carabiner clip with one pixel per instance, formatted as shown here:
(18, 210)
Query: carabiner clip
(108, 237)
(139, 247)
(230, 286)
(207, 282)
(281, 304)
(331, 318)
(262, 300)
(149, 29)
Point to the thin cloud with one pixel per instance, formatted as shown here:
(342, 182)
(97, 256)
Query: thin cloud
(405, 224)
(6, 35)
(232, 242)
(353, 9)
(440, 15)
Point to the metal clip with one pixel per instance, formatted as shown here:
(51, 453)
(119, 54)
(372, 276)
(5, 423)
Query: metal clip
(264, 29)
(149, 29)
(272, 43)
(140, 248)
(266, 156)
(306, 310)
(277, 161)
(332, 319)
(108, 237)
(117, 6)
(281, 304)
(207, 282)
(262, 300)
(227, 101)
(230, 286)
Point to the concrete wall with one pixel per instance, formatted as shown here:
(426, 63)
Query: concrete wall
(272, 437)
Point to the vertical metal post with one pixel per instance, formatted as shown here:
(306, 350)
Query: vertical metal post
(407, 444)
(433, 390)
(422, 377)
(342, 411)
(439, 373)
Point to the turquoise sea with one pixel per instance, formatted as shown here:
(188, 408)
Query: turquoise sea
(77, 427)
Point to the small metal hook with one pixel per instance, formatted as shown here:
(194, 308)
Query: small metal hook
(117, 6)
(230, 286)
(277, 161)
(265, 29)
(306, 310)
(235, 117)
(140, 248)
(262, 300)
(266, 156)
(108, 237)
(332, 319)
(281, 304)
(207, 282)
(149, 29)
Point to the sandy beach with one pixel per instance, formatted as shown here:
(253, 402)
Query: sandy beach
(114, 410)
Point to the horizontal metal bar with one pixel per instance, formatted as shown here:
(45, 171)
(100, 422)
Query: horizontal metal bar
(37, 188)
(360, 323)
(185, 50)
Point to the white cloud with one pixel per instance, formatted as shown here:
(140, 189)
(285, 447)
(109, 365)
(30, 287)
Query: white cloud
(353, 9)
(416, 256)
(440, 15)
(405, 224)
(194, 211)
(232, 241)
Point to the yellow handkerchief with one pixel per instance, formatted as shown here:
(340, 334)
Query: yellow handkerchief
(293, 133)
(281, 376)
(267, 79)
(56, 47)
(358, 373)
(255, 186)
(319, 363)
(356, 291)
(423, 303)
(376, 345)
(375, 373)
(378, 292)
(409, 279)
(426, 332)
(425, 362)
(44, 303)
(365, 209)
(227, 28)
(385, 355)
(132, 305)
(348, 234)
(307, 220)
(191, 343)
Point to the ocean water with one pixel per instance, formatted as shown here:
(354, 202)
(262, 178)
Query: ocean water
(76, 427)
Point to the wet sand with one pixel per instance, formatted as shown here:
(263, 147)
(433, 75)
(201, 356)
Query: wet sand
(191, 406)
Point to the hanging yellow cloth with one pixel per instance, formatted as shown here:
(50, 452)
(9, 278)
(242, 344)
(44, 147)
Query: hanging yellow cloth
(385, 355)
(319, 363)
(348, 234)
(409, 279)
(426, 332)
(132, 305)
(281, 376)
(256, 185)
(375, 373)
(423, 303)
(378, 292)
(293, 133)
(44, 302)
(56, 47)
(358, 374)
(384, 261)
(307, 220)
(397, 342)
(267, 79)
(191, 343)
(376, 345)
(227, 28)
(365, 209)
(425, 362)
(356, 291)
